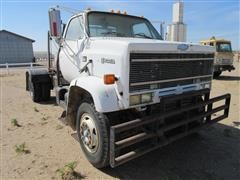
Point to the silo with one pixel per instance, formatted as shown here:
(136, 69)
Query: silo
(177, 30)
(178, 12)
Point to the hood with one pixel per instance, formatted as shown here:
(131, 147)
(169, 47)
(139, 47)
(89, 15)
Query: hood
(152, 45)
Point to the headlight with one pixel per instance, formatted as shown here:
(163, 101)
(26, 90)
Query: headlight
(145, 98)
(135, 99)
(140, 99)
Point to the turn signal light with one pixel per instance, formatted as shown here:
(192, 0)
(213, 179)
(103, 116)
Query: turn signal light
(109, 79)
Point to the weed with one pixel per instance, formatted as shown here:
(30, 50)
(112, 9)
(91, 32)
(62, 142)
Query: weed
(68, 172)
(43, 123)
(71, 166)
(59, 127)
(14, 122)
(35, 109)
(44, 118)
(21, 149)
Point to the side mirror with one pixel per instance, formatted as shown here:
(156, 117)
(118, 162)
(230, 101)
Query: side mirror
(55, 23)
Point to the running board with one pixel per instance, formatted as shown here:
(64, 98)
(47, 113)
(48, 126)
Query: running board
(153, 131)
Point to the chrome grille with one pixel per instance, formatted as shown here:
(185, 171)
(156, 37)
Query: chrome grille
(168, 70)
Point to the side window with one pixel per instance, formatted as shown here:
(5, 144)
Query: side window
(211, 44)
(141, 28)
(74, 30)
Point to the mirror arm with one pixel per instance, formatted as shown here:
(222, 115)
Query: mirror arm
(85, 67)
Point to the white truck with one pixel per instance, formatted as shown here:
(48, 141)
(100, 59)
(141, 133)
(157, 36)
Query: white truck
(124, 90)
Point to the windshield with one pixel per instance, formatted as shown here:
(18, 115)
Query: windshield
(224, 47)
(117, 25)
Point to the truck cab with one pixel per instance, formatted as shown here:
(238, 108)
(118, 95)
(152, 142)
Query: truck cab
(223, 55)
(123, 89)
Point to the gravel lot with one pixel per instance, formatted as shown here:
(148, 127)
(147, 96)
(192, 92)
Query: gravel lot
(212, 154)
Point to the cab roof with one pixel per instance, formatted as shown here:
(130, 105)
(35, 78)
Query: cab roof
(114, 13)
(213, 39)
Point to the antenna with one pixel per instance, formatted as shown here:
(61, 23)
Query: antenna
(68, 9)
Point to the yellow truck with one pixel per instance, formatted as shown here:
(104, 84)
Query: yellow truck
(223, 55)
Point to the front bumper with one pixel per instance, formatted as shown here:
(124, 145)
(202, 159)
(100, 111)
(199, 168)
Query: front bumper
(134, 138)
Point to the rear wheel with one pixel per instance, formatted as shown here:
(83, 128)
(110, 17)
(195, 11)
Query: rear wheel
(39, 91)
(93, 134)
(35, 91)
(46, 91)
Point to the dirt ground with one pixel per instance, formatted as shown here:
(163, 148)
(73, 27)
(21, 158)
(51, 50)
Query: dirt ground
(213, 154)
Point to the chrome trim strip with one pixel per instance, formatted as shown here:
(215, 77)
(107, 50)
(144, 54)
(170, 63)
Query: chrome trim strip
(180, 59)
(166, 89)
(168, 80)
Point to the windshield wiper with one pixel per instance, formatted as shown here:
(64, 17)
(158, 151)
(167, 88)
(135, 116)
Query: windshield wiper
(143, 35)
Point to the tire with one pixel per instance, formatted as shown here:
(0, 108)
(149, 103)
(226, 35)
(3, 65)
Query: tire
(27, 81)
(46, 91)
(216, 74)
(35, 92)
(39, 91)
(97, 155)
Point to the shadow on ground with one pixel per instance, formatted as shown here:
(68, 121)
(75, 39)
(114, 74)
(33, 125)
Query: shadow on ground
(52, 101)
(214, 153)
(228, 78)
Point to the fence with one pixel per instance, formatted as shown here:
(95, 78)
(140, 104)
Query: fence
(8, 66)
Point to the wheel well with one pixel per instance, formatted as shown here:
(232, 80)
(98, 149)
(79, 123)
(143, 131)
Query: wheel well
(77, 95)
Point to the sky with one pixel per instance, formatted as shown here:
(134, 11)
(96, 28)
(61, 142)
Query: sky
(204, 18)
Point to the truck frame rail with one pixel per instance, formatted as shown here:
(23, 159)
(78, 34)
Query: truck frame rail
(151, 132)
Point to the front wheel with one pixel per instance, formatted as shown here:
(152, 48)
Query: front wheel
(93, 134)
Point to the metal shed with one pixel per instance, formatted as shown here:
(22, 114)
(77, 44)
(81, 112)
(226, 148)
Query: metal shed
(15, 48)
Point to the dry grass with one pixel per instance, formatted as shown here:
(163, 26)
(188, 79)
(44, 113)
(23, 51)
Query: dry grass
(15, 123)
(59, 127)
(35, 109)
(68, 172)
(21, 149)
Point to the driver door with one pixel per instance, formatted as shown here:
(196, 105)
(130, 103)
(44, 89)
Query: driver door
(70, 54)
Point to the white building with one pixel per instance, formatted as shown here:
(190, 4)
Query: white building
(177, 30)
(15, 48)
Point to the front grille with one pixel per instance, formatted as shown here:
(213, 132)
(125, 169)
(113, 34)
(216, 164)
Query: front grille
(169, 56)
(165, 69)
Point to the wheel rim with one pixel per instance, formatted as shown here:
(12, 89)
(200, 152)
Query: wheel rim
(88, 133)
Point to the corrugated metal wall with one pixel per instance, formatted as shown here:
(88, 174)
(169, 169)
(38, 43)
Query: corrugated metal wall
(14, 49)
